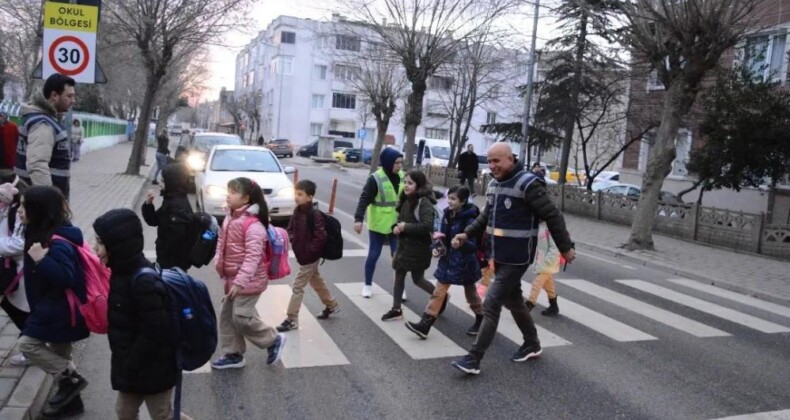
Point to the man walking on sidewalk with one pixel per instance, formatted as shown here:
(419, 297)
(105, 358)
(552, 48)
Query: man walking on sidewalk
(162, 152)
(516, 202)
(43, 155)
(469, 165)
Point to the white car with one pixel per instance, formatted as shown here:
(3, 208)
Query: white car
(226, 162)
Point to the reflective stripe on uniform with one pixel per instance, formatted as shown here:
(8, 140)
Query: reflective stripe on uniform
(512, 233)
(382, 197)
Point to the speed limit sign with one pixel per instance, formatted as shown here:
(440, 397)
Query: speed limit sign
(69, 45)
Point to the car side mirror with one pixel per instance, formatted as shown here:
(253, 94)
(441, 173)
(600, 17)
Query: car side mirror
(290, 169)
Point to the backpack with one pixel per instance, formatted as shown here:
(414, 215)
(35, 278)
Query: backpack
(97, 289)
(276, 251)
(437, 216)
(205, 233)
(192, 317)
(333, 248)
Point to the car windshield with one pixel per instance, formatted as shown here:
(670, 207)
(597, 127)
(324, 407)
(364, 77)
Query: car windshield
(206, 142)
(244, 161)
(440, 152)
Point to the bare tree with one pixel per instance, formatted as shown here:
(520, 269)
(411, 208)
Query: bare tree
(683, 42)
(424, 35)
(165, 31)
(22, 44)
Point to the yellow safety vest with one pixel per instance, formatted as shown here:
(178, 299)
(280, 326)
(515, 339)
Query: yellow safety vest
(381, 213)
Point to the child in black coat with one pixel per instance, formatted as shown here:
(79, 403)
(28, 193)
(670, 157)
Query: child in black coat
(173, 220)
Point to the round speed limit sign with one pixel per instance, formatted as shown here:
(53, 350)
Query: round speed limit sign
(69, 55)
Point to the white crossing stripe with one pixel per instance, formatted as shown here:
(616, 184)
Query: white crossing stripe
(507, 326)
(767, 415)
(347, 253)
(203, 369)
(657, 314)
(737, 297)
(437, 345)
(707, 307)
(600, 323)
(307, 346)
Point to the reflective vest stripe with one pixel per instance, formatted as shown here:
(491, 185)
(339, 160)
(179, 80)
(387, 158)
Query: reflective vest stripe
(382, 196)
(511, 233)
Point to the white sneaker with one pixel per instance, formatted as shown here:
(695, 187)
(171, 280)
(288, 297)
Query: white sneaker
(19, 360)
(404, 295)
(367, 291)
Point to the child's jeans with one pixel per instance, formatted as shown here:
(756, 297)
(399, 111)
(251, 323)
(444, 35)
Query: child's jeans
(308, 274)
(239, 320)
(127, 407)
(53, 358)
(439, 293)
(542, 281)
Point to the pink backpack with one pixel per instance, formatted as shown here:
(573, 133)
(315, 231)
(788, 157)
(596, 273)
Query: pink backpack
(276, 251)
(97, 289)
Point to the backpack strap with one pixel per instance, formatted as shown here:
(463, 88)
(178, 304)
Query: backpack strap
(74, 301)
(249, 222)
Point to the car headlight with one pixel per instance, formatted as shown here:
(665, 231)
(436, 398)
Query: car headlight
(286, 192)
(215, 191)
(196, 161)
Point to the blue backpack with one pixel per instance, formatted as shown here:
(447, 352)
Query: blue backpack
(194, 324)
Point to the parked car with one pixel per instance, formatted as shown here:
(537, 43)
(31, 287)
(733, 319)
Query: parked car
(312, 148)
(607, 176)
(281, 147)
(200, 145)
(572, 176)
(599, 185)
(359, 155)
(226, 162)
(632, 191)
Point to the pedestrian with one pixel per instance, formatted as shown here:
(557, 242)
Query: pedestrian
(308, 236)
(413, 228)
(162, 152)
(260, 141)
(9, 136)
(379, 198)
(43, 155)
(52, 267)
(143, 355)
(456, 266)
(242, 266)
(12, 250)
(468, 165)
(547, 263)
(173, 220)
(517, 201)
(76, 140)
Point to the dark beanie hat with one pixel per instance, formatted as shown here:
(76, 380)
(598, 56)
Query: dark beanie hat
(121, 233)
(388, 158)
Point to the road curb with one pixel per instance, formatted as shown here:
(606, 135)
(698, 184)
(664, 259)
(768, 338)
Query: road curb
(692, 275)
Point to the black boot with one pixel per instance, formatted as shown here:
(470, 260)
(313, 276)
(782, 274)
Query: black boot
(530, 305)
(69, 386)
(423, 327)
(552, 310)
(73, 408)
(444, 304)
(473, 330)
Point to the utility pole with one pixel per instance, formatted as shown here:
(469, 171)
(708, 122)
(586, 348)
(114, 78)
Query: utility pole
(528, 103)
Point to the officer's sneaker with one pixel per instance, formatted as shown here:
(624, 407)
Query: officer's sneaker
(526, 352)
(468, 364)
(229, 361)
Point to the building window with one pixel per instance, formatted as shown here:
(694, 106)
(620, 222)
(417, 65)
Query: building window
(319, 72)
(315, 129)
(283, 65)
(347, 43)
(288, 37)
(765, 57)
(344, 101)
(441, 83)
(490, 117)
(344, 134)
(682, 150)
(436, 109)
(318, 102)
(437, 133)
(345, 72)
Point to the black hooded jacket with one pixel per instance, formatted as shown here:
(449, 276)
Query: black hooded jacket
(143, 354)
(173, 220)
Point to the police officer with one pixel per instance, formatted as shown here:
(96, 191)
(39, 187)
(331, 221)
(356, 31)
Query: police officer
(517, 200)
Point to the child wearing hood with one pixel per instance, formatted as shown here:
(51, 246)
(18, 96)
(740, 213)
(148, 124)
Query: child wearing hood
(173, 219)
(143, 363)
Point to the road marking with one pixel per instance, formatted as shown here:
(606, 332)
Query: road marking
(707, 307)
(347, 253)
(507, 326)
(767, 415)
(437, 345)
(203, 369)
(307, 346)
(665, 317)
(600, 323)
(606, 260)
(737, 297)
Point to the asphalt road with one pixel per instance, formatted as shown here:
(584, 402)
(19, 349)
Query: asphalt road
(682, 353)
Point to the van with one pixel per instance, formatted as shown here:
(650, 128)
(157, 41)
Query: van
(436, 152)
(312, 148)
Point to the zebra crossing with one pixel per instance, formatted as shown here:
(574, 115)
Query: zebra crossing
(312, 346)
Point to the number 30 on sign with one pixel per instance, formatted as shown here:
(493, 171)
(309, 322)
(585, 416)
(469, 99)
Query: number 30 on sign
(70, 40)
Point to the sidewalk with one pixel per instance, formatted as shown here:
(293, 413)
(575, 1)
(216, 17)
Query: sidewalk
(97, 186)
(754, 275)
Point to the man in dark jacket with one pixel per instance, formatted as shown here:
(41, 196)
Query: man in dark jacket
(517, 201)
(307, 232)
(162, 153)
(468, 165)
(143, 363)
(174, 220)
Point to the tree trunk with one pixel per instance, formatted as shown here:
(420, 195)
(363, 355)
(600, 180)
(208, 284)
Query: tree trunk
(412, 121)
(141, 135)
(574, 97)
(382, 124)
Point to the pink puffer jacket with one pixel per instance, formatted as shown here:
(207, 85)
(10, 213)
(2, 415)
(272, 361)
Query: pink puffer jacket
(241, 255)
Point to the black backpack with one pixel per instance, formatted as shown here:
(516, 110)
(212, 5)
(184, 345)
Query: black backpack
(204, 237)
(333, 249)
